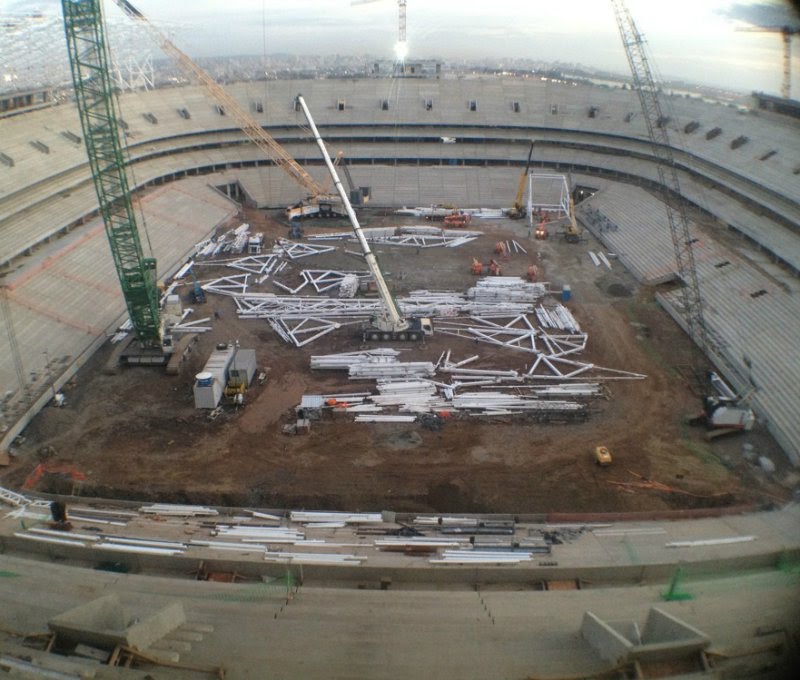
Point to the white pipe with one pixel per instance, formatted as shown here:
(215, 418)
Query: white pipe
(139, 550)
(46, 539)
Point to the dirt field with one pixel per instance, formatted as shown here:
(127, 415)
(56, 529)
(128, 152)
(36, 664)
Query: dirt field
(137, 434)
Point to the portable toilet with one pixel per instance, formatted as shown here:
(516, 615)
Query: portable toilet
(566, 293)
(207, 390)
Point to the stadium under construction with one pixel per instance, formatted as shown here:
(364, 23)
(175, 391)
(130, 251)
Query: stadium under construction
(293, 492)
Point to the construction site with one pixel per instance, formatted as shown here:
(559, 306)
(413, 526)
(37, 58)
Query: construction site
(408, 342)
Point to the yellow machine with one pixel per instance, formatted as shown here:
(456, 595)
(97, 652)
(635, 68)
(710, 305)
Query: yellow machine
(518, 211)
(602, 456)
(572, 234)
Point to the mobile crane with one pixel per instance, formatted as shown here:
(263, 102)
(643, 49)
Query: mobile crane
(96, 99)
(572, 234)
(517, 211)
(318, 202)
(388, 324)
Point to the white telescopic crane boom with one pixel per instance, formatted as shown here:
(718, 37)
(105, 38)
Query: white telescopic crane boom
(392, 319)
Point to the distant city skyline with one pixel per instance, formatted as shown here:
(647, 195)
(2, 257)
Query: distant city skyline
(692, 40)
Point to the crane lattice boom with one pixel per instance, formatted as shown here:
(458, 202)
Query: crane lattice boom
(251, 127)
(786, 33)
(656, 123)
(97, 105)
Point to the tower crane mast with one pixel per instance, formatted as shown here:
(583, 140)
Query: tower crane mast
(655, 121)
(401, 48)
(787, 32)
(97, 106)
(250, 126)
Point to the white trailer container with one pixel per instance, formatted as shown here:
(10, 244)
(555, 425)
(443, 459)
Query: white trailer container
(209, 384)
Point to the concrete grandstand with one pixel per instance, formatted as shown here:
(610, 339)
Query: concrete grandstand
(62, 303)
(391, 132)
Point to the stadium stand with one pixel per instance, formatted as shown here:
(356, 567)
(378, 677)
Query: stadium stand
(391, 132)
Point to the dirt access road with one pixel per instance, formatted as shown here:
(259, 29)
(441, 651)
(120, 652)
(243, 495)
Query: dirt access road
(137, 434)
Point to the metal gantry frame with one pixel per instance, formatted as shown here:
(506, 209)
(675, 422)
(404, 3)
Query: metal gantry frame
(542, 189)
(96, 99)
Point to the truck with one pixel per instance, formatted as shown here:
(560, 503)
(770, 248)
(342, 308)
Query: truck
(602, 456)
(725, 412)
(572, 234)
(388, 324)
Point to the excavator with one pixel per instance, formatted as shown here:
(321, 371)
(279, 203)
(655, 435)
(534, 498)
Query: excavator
(517, 211)
(388, 324)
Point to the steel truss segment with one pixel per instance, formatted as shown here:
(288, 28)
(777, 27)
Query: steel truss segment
(255, 264)
(299, 331)
(294, 250)
(235, 285)
(327, 279)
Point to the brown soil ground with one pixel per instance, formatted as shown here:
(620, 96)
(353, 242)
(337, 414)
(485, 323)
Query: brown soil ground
(137, 435)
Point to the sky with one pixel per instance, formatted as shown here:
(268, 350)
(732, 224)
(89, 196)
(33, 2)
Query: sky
(695, 40)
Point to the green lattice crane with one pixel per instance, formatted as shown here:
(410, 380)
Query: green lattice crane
(97, 103)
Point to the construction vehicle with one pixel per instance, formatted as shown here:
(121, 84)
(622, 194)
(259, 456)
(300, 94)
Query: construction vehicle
(198, 294)
(388, 324)
(602, 456)
(457, 219)
(96, 99)
(541, 233)
(572, 234)
(318, 203)
(725, 412)
(358, 195)
(518, 211)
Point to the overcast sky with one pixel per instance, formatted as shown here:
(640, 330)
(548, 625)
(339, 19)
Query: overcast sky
(697, 40)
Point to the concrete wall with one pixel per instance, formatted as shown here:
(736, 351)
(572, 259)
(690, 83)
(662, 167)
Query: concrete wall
(105, 623)
(663, 627)
(369, 576)
(610, 645)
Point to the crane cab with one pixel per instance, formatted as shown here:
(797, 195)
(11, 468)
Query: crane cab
(416, 329)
